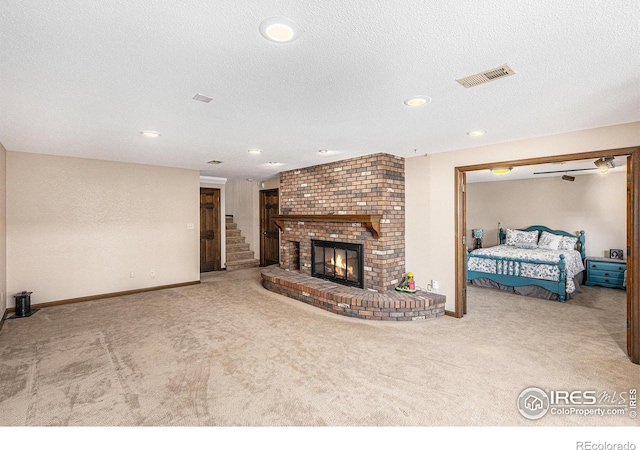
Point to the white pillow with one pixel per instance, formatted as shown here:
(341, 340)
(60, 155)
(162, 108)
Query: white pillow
(549, 241)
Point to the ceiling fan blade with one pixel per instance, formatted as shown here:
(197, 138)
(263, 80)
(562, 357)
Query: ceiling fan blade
(564, 171)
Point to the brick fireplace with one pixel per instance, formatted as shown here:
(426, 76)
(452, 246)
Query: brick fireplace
(356, 202)
(369, 188)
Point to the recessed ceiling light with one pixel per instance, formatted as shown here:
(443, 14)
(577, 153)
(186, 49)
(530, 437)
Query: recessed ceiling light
(417, 101)
(279, 29)
(273, 163)
(215, 161)
(323, 151)
(149, 133)
(254, 151)
(501, 170)
(476, 133)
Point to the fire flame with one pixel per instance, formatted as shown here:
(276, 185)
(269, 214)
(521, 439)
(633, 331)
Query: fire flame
(341, 267)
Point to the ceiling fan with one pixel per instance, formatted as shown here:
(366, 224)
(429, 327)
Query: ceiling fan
(602, 164)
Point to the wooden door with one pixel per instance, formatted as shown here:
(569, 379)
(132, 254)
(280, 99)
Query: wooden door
(269, 231)
(209, 229)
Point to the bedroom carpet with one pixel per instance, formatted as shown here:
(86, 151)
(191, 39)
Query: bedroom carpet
(228, 352)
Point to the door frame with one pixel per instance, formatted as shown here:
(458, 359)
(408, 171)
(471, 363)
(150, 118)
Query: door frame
(263, 192)
(217, 230)
(633, 232)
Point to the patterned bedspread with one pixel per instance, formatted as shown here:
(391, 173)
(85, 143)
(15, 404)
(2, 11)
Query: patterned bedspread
(573, 261)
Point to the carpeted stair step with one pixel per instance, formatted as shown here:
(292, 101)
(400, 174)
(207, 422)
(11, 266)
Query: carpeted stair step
(242, 264)
(234, 240)
(240, 256)
(231, 226)
(237, 247)
(233, 233)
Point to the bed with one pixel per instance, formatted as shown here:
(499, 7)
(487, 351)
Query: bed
(534, 261)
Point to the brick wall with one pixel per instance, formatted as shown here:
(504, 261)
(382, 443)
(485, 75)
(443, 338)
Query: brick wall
(372, 184)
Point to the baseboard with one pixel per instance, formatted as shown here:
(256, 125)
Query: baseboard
(450, 313)
(4, 317)
(108, 295)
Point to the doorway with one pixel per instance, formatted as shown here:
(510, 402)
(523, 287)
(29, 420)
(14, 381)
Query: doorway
(209, 229)
(269, 231)
(633, 233)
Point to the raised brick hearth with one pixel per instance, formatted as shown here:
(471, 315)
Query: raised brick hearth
(353, 302)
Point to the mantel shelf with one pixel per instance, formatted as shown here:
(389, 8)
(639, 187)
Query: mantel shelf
(371, 221)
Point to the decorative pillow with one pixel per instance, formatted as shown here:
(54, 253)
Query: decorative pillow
(549, 241)
(514, 236)
(528, 245)
(567, 243)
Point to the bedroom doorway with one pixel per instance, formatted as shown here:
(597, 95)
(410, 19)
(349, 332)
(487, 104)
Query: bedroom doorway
(632, 231)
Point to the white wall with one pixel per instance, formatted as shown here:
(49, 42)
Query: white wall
(594, 203)
(430, 193)
(78, 227)
(273, 183)
(243, 203)
(3, 231)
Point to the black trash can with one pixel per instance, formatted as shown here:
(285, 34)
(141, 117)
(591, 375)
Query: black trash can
(23, 304)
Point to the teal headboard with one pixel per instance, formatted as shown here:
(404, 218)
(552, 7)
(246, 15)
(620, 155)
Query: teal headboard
(540, 228)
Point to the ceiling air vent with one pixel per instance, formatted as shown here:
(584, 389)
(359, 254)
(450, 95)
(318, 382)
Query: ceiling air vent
(214, 162)
(486, 76)
(202, 98)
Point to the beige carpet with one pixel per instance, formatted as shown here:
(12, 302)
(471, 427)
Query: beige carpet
(229, 353)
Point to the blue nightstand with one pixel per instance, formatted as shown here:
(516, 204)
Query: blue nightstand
(605, 272)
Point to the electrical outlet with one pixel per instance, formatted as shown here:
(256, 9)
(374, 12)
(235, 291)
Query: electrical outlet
(190, 226)
(152, 274)
(132, 274)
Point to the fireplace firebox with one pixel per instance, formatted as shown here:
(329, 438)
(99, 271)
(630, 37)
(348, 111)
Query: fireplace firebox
(341, 262)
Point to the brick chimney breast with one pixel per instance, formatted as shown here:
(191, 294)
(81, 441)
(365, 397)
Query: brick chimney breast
(372, 184)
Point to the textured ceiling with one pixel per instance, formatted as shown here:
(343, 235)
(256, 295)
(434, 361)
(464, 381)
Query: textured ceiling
(83, 78)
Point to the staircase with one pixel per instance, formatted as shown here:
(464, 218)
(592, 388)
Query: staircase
(238, 254)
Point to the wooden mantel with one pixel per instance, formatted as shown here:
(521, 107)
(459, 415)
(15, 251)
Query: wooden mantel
(370, 221)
